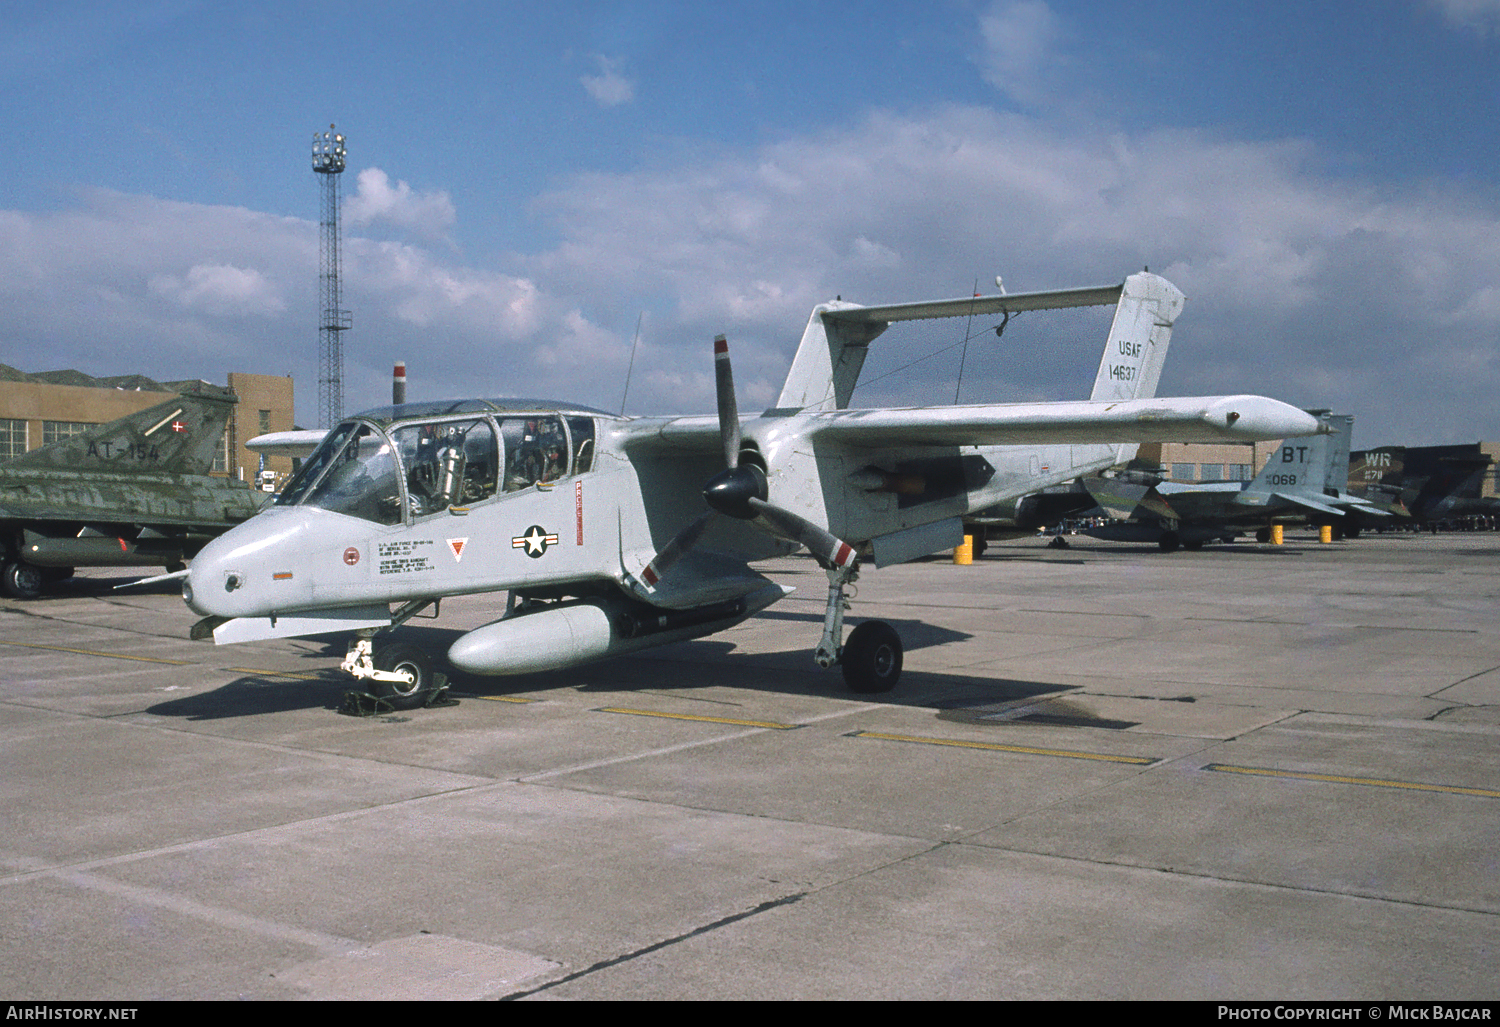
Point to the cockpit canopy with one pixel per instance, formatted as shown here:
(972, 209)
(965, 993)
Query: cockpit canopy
(400, 463)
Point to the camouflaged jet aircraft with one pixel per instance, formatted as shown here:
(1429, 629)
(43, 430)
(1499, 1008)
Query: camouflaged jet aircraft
(1431, 487)
(1301, 481)
(596, 524)
(131, 493)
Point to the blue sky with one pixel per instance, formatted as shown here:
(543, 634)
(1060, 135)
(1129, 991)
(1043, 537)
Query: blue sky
(525, 182)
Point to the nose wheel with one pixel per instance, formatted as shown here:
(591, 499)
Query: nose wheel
(399, 677)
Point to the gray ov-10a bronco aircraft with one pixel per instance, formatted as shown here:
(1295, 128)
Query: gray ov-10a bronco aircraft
(597, 526)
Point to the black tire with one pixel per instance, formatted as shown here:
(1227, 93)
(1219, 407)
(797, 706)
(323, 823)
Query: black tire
(1353, 531)
(21, 580)
(408, 658)
(1263, 534)
(1169, 542)
(871, 660)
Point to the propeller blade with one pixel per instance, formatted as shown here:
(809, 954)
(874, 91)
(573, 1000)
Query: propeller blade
(833, 551)
(672, 552)
(741, 492)
(729, 412)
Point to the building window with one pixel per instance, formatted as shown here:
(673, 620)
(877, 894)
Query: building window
(55, 431)
(1241, 472)
(12, 437)
(265, 421)
(221, 454)
(1184, 472)
(1214, 472)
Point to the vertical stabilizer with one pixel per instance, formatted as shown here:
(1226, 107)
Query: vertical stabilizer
(1307, 464)
(1342, 426)
(1137, 345)
(1136, 348)
(828, 361)
(180, 436)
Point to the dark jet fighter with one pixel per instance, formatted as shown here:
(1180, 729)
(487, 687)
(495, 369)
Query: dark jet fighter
(133, 492)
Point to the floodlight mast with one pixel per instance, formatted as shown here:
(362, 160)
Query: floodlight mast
(328, 153)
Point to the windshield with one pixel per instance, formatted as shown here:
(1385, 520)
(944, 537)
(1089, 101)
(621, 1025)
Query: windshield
(361, 480)
(359, 471)
(314, 466)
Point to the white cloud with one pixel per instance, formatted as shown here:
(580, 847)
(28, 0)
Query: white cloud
(221, 289)
(609, 88)
(1482, 16)
(1018, 37)
(429, 216)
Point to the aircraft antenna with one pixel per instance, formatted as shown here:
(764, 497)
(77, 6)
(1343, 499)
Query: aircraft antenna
(328, 153)
(631, 369)
(968, 334)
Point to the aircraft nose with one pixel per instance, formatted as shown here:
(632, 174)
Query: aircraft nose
(208, 580)
(230, 575)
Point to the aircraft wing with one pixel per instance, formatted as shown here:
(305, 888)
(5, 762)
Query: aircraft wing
(1191, 419)
(1177, 419)
(287, 443)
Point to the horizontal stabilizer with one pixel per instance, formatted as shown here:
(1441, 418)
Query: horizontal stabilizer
(977, 306)
(1305, 501)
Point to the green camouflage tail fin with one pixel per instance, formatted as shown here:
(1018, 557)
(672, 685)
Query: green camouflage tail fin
(181, 436)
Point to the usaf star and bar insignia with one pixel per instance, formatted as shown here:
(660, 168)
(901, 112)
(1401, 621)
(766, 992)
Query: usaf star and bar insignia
(535, 541)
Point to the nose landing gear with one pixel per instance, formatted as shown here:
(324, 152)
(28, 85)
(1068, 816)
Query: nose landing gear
(400, 677)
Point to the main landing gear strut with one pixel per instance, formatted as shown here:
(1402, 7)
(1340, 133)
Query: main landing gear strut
(871, 659)
(400, 676)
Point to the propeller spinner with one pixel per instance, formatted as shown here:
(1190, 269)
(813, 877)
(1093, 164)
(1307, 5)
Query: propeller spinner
(741, 491)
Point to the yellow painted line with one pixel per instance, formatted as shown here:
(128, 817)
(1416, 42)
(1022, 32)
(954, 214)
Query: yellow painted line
(1072, 754)
(706, 720)
(277, 673)
(1413, 786)
(95, 652)
(504, 698)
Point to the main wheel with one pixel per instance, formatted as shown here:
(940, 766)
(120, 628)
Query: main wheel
(1169, 542)
(402, 658)
(871, 660)
(21, 580)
